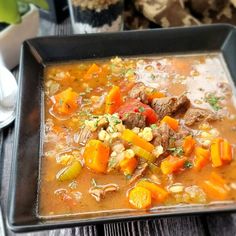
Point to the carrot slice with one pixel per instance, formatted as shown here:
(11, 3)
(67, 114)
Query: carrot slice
(129, 136)
(158, 193)
(173, 123)
(188, 145)
(93, 70)
(216, 152)
(96, 155)
(65, 102)
(215, 187)
(128, 165)
(226, 151)
(201, 159)
(172, 164)
(140, 197)
(113, 100)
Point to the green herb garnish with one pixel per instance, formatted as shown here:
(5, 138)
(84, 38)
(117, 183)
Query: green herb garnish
(60, 101)
(177, 151)
(153, 126)
(188, 164)
(141, 109)
(213, 101)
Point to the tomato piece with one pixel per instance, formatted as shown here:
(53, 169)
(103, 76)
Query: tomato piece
(134, 105)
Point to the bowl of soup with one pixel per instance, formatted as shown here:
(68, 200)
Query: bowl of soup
(118, 131)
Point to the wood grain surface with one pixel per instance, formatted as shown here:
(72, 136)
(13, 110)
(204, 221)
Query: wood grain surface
(218, 224)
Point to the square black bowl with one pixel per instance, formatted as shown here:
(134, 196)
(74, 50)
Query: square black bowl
(38, 52)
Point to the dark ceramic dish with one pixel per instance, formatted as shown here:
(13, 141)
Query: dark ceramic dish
(38, 52)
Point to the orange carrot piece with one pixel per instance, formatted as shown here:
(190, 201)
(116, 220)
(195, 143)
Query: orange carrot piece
(96, 155)
(113, 100)
(172, 164)
(158, 193)
(93, 70)
(188, 145)
(226, 151)
(215, 187)
(214, 191)
(216, 178)
(155, 94)
(128, 165)
(129, 136)
(201, 159)
(216, 152)
(173, 123)
(140, 198)
(65, 102)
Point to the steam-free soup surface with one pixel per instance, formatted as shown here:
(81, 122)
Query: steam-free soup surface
(137, 133)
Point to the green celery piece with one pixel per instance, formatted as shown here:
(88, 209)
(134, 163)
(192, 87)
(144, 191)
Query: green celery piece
(9, 12)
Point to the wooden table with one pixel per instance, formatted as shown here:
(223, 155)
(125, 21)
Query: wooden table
(218, 224)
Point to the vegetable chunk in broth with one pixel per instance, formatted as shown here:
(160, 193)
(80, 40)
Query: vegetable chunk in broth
(137, 133)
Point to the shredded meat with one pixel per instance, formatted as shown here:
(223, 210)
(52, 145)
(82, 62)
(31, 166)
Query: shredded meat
(170, 105)
(141, 169)
(134, 119)
(99, 191)
(139, 92)
(194, 115)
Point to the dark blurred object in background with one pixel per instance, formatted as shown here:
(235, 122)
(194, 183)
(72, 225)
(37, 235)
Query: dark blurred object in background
(58, 11)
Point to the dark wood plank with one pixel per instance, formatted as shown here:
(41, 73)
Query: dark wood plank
(221, 224)
(177, 226)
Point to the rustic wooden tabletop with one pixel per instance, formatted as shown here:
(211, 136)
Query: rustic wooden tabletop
(217, 224)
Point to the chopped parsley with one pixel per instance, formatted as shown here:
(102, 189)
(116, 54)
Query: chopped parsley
(153, 126)
(60, 101)
(153, 76)
(177, 151)
(213, 101)
(188, 164)
(141, 109)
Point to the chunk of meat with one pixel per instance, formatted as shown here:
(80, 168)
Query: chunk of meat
(139, 92)
(99, 191)
(134, 119)
(170, 105)
(161, 136)
(194, 115)
(141, 169)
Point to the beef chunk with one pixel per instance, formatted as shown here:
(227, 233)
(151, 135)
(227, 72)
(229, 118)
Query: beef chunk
(134, 119)
(139, 92)
(170, 105)
(194, 115)
(161, 136)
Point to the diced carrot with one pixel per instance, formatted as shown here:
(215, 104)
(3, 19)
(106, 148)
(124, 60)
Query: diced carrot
(128, 165)
(216, 152)
(96, 155)
(226, 151)
(214, 191)
(140, 198)
(188, 145)
(172, 164)
(142, 153)
(173, 123)
(129, 136)
(113, 100)
(155, 94)
(202, 157)
(65, 102)
(94, 69)
(158, 193)
(215, 187)
(216, 178)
